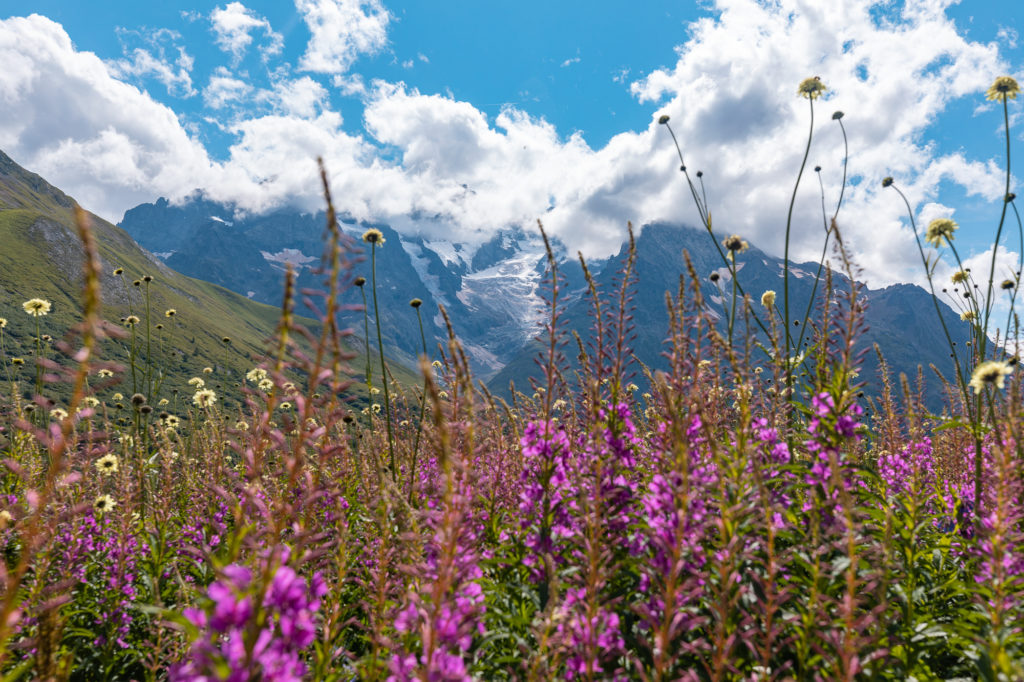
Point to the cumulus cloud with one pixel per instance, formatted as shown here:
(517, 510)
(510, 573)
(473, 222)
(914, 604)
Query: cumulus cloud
(70, 119)
(430, 163)
(224, 89)
(234, 25)
(731, 95)
(341, 31)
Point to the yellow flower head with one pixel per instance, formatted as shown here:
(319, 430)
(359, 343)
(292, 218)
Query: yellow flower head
(104, 374)
(939, 228)
(285, 405)
(103, 504)
(265, 384)
(989, 373)
(256, 375)
(811, 88)
(107, 464)
(117, 396)
(207, 370)
(163, 401)
(768, 299)
(1004, 87)
(170, 312)
(376, 408)
(241, 426)
(959, 277)
(36, 307)
(131, 320)
(373, 236)
(3, 322)
(172, 421)
(90, 401)
(436, 364)
(197, 382)
(968, 316)
(57, 414)
(204, 398)
(735, 244)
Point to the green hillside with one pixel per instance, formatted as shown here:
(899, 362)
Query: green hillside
(42, 258)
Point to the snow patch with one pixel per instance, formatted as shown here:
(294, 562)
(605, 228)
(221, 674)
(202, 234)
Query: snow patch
(288, 256)
(446, 251)
(509, 288)
(421, 264)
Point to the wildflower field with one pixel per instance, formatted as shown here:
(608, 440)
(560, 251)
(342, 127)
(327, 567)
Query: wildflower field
(743, 512)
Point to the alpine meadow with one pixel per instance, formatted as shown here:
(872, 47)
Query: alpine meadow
(690, 460)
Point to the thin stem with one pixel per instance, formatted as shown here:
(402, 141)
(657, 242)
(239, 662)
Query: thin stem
(785, 257)
(423, 407)
(999, 232)
(380, 350)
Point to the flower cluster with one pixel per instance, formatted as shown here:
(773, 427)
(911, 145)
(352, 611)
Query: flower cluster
(248, 630)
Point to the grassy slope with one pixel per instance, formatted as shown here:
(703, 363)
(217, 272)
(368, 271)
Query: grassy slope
(42, 258)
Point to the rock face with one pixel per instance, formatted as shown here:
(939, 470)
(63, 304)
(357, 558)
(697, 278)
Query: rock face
(490, 291)
(901, 318)
(493, 292)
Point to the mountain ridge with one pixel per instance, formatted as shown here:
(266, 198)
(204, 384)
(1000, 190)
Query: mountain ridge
(493, 290)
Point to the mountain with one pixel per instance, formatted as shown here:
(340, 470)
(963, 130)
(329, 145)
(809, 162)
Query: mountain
(493, 290)
(900, 318)
(489, 290)
(42, 258)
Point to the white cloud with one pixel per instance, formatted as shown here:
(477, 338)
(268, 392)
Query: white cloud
(153, 61)
(341, 31)
(224, 89)
(349, 85)
(301, 97)
(1008, 36)
(234, 25)
(570, 62)
(67, 118)
(731, 95)
(142, 64)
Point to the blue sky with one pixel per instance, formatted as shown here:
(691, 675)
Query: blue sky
(460, 118)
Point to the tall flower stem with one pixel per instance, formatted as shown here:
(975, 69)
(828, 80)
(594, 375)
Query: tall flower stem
(785, 256)
(999, 232)
(380, 350)
(973, 409)
(149, 344)
(423, 404)
(39, 357)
